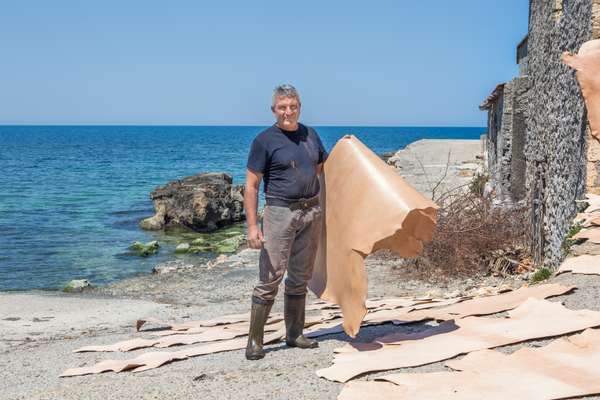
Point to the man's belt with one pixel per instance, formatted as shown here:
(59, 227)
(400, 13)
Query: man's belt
(300, 204)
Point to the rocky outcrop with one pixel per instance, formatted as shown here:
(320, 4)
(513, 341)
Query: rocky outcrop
(203, 203)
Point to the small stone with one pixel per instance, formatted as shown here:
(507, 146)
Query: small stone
(170, 266)
(219, 260)
(504, 288)
(432, 294)
(182, 248)
(485, 291)
(526, 276)
(77, 285)
(452, 295)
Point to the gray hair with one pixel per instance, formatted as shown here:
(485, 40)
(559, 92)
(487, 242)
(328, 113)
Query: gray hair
(285, 91)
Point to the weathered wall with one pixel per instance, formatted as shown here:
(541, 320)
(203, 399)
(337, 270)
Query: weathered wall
(556, 123)
(494, 130)
(501, 173)
(519, 134)
(505, 160)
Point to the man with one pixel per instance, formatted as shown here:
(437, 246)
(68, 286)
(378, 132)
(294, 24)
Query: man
(290, 157)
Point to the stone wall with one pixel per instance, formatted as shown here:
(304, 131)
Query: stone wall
(495, 112)
(556, 145)
(505, 155)
(509, 179)
(520, 87)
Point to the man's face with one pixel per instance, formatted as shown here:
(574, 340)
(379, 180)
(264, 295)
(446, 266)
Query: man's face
(287, 111)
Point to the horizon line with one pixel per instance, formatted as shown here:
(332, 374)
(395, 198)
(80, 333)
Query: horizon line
(241, 125)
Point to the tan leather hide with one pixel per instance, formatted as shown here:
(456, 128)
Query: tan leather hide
(587, 64)
(567, 367)
(532, 320)
(368, 206)
(587, 220)
(590, 234)
(585, 264)
(593, 202)
(191, 336)
(152, 360)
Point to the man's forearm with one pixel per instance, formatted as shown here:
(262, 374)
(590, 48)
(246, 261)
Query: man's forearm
(251, 205)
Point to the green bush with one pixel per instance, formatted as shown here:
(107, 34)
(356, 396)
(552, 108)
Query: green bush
(541, 275)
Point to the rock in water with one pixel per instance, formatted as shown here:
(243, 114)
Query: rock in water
(225, 240)
(145, 250)
(182, 248)
(203, 203)
(229, 245)
(77, 285)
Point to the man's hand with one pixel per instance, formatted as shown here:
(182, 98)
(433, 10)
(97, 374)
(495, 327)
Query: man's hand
(255, 237)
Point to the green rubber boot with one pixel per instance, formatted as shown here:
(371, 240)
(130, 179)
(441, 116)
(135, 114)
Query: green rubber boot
(258, 318)
(294, 308)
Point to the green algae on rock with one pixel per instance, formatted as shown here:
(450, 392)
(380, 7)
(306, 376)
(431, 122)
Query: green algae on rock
(229, 245)
(145, 250)
(226, 240)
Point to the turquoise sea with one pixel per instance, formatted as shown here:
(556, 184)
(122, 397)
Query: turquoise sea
(71, 196)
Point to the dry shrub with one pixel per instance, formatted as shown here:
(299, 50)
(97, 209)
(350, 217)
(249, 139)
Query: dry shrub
(473, 238)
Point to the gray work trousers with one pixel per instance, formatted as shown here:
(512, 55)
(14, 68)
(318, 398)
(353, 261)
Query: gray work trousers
(291, 240)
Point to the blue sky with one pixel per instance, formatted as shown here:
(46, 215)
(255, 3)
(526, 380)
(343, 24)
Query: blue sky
(390, 63)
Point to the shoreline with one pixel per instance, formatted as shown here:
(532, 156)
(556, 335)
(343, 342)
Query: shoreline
(81, 213)
(421, 163)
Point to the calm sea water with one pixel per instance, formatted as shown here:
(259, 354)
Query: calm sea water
(71, 196)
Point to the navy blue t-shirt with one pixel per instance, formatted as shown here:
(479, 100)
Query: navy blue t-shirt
(287, 160)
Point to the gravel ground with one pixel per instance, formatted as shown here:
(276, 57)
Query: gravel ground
(30, 363)
(39, 331)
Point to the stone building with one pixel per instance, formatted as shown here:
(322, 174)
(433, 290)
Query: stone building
(540, 151)
(505, 142)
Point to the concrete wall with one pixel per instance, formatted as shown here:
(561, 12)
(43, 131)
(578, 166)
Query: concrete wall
(556, 146)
